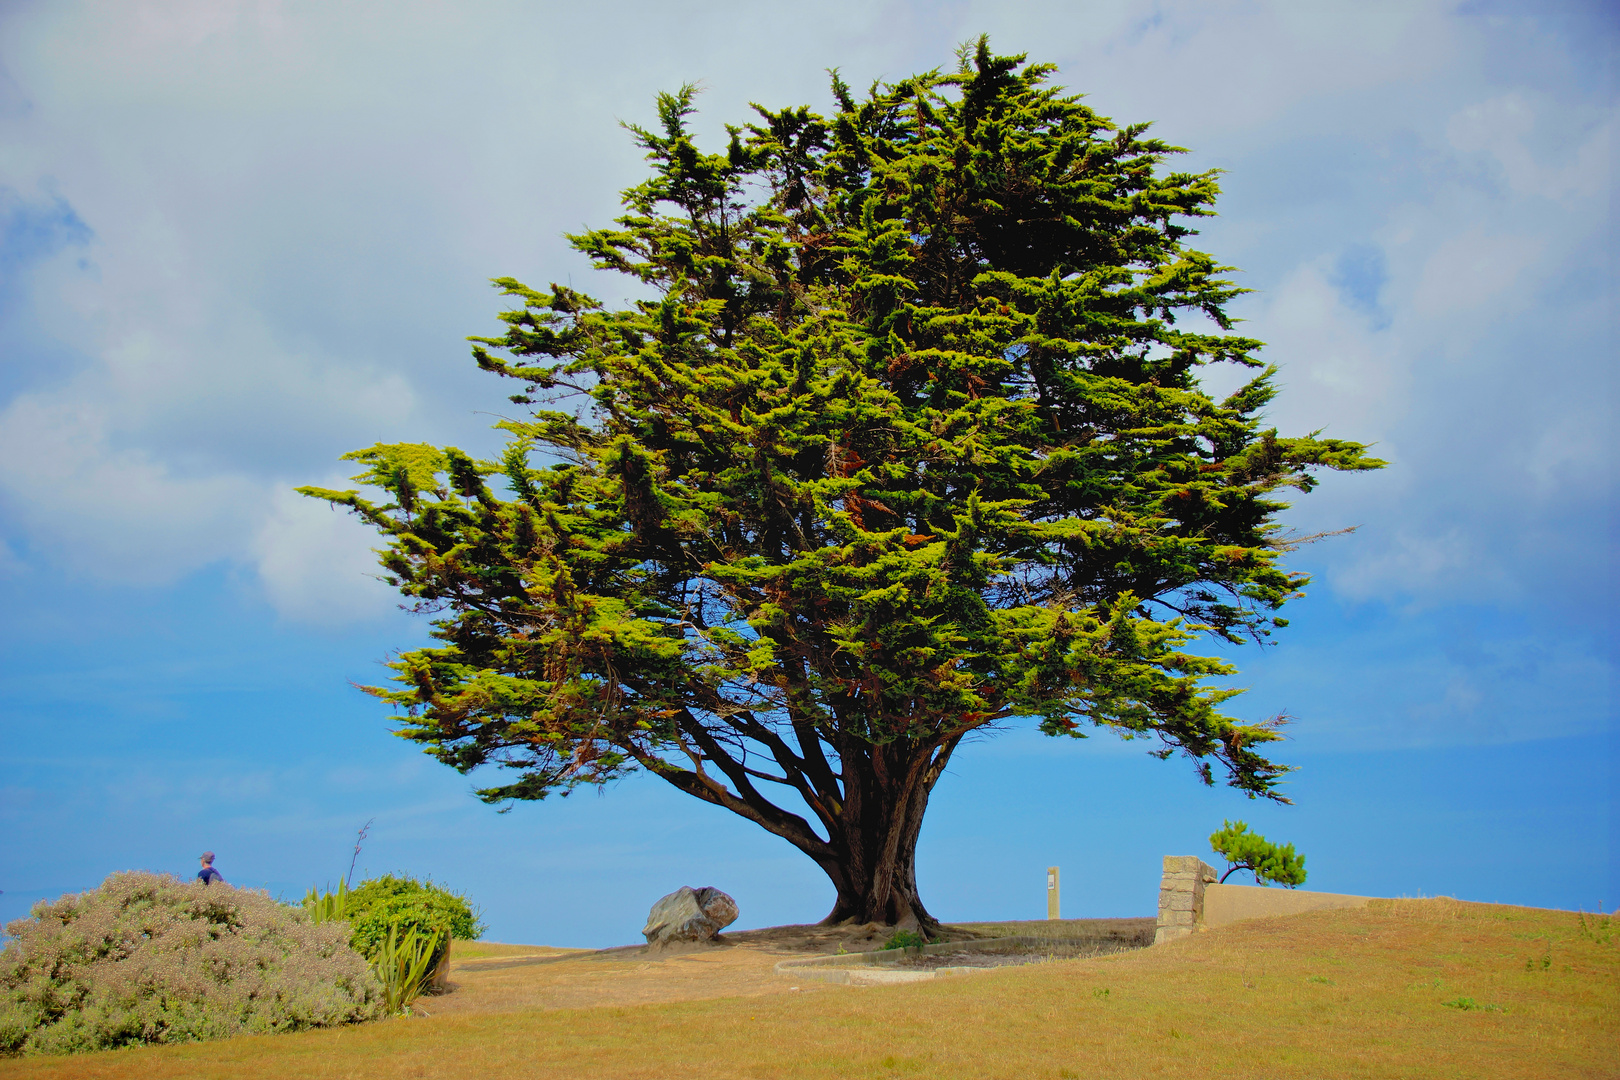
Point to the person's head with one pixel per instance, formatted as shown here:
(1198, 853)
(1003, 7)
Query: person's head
(207, 858)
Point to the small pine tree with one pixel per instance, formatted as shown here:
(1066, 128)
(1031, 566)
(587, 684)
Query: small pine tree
(1268, 862)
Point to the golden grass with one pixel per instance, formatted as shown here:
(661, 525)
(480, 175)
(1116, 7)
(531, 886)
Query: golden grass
(627, 977)
(1341, 994)
(482, 950)
(1084, 930)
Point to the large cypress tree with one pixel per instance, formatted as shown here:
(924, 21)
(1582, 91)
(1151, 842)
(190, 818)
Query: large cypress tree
(910, 445)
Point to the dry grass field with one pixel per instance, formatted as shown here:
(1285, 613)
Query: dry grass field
(1405, 988)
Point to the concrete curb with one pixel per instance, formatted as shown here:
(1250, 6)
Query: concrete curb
(879, 976)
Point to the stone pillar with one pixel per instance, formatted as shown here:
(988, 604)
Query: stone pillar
(1181, 896)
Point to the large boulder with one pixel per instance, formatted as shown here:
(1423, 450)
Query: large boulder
(689, 915)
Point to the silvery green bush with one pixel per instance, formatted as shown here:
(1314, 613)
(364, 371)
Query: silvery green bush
(147, 958)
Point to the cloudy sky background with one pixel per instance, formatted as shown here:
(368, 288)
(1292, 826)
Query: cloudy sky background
(240, 239)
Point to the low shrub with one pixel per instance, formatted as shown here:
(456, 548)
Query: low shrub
(905, 939)
(373, 906)
(402, 927)
(147, 958)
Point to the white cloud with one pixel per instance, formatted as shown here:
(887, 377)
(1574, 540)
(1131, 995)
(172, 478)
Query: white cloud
(295, 211)
(294, 214)
(165, 450)
(1575, 452)
(1475, 270)
(317, 564)
(1508, 129)
(109, 511)
(1458, 696)
(1409, 561)
(120, 514)
(1228, 70)
(1337, 373)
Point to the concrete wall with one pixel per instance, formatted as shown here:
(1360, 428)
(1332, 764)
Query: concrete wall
(1227, 904)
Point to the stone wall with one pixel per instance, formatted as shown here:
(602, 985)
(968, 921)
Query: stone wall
(1191, 899)
(1181, 896)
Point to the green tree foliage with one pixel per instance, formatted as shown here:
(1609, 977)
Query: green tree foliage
(1244, 850)
(908, 445)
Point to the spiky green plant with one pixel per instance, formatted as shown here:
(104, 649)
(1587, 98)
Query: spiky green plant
(405, 963)
(405, 954)
(324, 907)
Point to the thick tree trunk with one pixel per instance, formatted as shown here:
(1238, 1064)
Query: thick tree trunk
(871, 805)
(875, 867)
(864, 896)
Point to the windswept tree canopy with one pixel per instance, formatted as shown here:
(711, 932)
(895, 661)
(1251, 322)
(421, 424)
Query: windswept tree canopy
(910, 444)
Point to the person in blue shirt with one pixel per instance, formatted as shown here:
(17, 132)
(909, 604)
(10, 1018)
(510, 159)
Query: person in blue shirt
(208, 875)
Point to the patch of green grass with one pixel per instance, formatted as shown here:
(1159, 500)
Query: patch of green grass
(900, 1064)
(905, 939)
(1468, 1004)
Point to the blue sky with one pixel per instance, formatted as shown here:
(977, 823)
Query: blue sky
(239, 239)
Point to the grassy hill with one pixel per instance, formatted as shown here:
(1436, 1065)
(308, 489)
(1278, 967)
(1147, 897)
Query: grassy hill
(1405, 988)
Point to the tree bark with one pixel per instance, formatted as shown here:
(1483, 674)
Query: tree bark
(871, 807)
(881, 889)
(873, 865)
